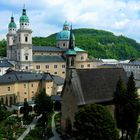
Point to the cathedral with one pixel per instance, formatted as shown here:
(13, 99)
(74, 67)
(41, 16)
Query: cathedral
(41, 58)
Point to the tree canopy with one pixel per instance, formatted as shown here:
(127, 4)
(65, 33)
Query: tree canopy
(94, 122)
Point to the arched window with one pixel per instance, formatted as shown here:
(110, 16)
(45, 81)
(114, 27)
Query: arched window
(26, 39)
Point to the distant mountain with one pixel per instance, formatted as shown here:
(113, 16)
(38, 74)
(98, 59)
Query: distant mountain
(98, 43)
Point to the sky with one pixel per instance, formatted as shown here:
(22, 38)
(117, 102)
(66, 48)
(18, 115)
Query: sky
(122, 17)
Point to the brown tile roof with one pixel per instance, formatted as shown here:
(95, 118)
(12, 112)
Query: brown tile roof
(98, 85)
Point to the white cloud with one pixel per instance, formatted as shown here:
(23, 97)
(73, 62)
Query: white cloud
(47, 16)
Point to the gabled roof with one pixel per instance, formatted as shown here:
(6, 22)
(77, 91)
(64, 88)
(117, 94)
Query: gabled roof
(46, 49)
(5, 63)
(96, 85)
(54, 49)
(58, 80)
(17, 76)
(44, 58)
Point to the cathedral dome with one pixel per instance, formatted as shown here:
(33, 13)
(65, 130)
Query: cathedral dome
(64, 35)
(24, 18)
(12, 24)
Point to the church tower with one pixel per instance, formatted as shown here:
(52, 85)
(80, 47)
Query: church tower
(24, 43)
(70, 53)
(64, 36)
(11, 38)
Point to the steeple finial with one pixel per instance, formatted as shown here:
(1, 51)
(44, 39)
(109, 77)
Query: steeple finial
(24, 10)
(71, 45)
(24, 6)
(12, 17)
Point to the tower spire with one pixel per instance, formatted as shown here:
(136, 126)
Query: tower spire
(71, 45)
(24, 6)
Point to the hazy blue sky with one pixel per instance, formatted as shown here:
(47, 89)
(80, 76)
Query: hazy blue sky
(47, 16)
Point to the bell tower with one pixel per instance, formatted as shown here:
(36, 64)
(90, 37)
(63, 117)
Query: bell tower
(70, 53)
(11, 38)
(24, 43)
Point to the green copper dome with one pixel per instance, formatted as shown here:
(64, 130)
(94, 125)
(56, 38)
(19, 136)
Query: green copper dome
(12, 24)
(70, 52)
(24, 17)
(64, 35)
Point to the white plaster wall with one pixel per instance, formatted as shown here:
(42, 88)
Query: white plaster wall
(3, 70)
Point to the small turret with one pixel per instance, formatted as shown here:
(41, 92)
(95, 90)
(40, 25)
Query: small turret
(12, 26)
(24, 20)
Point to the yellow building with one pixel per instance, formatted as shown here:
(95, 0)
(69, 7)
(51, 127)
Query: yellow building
(16, 87)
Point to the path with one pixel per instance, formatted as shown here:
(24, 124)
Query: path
(56, 135)
(30, 127)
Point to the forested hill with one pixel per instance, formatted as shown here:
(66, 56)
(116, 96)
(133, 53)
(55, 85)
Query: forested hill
(99, 44)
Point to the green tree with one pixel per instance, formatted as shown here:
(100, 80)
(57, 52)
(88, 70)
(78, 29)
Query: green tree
(127, 108)
(120, 100)
(44, 105)
(94, 122)
(43, 102)
(25, 110)
(131, 109)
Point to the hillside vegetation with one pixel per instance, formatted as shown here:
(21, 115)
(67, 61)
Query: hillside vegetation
(98, 43)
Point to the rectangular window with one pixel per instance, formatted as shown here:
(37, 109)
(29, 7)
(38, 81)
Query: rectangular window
(8, 88)
(63, 66)
(26, 39)
(55, 66)
(55, 72)
(82, 57)
(26, 57)
(82, 66)
(37, 66)
(26, 67)
(32, 85)
(24, 85)
(47, 66)
(88, 65)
